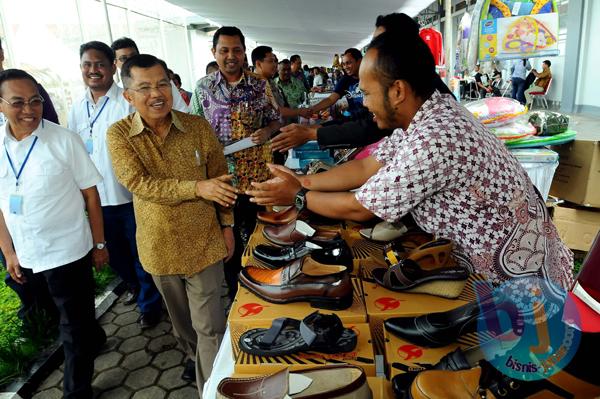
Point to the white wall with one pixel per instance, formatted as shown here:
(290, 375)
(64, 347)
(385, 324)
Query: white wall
(588, 90)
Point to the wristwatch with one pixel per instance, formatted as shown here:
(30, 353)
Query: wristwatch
(300, 199)
(100, 245)
(227, 225)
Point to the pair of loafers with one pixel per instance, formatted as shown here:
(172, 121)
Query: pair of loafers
(324, 286)
(333, 252)
(329, 382)
(297, 231)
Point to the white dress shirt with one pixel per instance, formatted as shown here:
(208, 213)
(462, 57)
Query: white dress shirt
(52, 229)
(178, 103)
(116, 108)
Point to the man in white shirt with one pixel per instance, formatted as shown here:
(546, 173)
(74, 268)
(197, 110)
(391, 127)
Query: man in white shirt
(125, 48)
(47, 182)
(101, 105)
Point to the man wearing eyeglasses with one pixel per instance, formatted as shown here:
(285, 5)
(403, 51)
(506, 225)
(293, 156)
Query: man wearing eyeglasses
(47, 182)
(174, 165)
(101, 105)
(36, 304)
(126, 48)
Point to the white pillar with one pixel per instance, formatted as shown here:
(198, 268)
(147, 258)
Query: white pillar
(448, 32)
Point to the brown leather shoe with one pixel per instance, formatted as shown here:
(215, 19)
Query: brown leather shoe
(278, 218)
(294, 232)
(486, 382)
(324, 286)
(329, 382)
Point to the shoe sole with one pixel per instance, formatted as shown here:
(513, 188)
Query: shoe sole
(340, 303)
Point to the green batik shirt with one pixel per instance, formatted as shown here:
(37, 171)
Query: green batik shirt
(294, 91)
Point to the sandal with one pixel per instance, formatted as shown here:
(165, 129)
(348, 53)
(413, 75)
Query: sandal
(431, 255)
(317, 332)
(408, 276)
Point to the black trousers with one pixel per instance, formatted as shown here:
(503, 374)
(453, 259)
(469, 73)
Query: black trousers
(244, 215)
(36, 303)
(72, 289)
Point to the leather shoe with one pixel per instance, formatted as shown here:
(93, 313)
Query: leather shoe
(277, 218)
(334, 252)
(189, 371)
(295, 232)
(131, 296)
(329, 382)
(487, 382)
(324, 286)
(439, 329)
(149, 320)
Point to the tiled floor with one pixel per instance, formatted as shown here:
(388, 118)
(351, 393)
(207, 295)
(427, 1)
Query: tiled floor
(134, 364)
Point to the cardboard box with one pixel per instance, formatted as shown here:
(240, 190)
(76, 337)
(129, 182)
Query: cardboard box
(577, 227)
(380, 387)
(362, 356)
(578, 175)
(383, 304)
(403, 356)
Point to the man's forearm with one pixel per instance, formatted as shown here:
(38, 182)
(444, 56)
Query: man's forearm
(92, 204)
(5, 239)
(345, 177)
(325, 103)
(337, 206)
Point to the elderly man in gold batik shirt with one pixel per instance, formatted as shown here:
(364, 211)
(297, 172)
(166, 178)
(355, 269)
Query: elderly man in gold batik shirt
(174, 165)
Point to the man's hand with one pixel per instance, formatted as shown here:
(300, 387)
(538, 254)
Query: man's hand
(218, 190)
(261, 136)
(99, 258)
(280, 190)
(14, 269)
(229, 242)
(292, 136)
(305, 112)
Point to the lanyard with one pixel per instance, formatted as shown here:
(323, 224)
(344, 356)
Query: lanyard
(12, 166)
(97, 115)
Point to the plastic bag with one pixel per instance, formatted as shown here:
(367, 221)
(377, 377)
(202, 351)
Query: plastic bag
(496, 111)
(516, 129)
(549, 123)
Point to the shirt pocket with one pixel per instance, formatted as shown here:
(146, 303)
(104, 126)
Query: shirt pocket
(46, 177)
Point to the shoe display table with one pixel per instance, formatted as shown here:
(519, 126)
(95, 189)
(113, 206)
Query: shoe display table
(222, 367)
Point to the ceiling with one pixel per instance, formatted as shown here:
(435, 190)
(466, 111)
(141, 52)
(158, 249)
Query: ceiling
(315, 29)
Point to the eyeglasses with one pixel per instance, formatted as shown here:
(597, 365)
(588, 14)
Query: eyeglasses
(163, 87)
(34, 102)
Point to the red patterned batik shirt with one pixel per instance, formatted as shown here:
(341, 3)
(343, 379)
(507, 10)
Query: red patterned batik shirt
(460, 182)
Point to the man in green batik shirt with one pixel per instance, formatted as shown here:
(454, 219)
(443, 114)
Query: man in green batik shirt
(292, 88)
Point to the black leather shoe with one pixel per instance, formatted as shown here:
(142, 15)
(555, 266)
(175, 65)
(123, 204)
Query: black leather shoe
(439, 329)
(131, 296)
(149, 320)
(335, 252)
(189, 371)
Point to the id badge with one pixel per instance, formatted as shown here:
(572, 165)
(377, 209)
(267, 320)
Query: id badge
(89, 145)
(15, 204)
